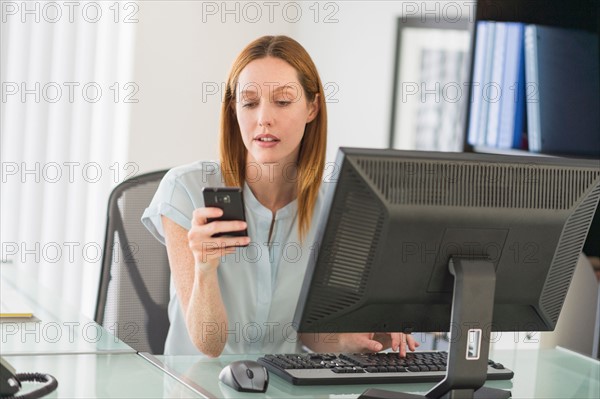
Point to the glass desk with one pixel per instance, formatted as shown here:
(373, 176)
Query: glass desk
(56, 327)
(120, 375)
(550, 373)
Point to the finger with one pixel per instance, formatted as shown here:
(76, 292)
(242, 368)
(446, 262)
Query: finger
(384, 338)
(395, 341)
(216, 244)
(402, 349)
(228, 226)
(407, 341)
(204, 234)
(235, 242)
(200, 215)
(412, 343)
(367, 343)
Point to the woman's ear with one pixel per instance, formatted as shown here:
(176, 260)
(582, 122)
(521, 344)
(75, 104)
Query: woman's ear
(313, 108)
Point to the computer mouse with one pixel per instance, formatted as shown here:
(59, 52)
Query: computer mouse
(245, 376)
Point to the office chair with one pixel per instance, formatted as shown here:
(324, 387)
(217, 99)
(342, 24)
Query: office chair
(134, 283)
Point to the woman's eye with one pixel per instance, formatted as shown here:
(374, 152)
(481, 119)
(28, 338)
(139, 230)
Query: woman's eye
(248, 105)
(283, 103)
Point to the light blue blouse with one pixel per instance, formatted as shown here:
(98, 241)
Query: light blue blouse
(260, 284)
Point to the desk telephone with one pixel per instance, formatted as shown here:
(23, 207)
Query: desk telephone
(10, 383)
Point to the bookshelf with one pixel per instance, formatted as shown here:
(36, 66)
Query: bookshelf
(580, 15)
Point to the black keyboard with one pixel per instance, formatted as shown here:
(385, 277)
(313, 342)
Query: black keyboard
(366, 368)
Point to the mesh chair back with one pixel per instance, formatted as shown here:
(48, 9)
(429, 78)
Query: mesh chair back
(134, 284)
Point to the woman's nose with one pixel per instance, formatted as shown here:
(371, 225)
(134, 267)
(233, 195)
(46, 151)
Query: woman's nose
(265, 117)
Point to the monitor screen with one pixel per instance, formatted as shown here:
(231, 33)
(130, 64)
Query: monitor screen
(396, 219)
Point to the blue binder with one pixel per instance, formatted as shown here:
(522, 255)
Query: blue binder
(512, 110)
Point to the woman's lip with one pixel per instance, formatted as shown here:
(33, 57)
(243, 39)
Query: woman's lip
(274, 140)
(266, 144)
(266, 136)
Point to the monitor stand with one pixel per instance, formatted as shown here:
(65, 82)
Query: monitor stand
(471, 320)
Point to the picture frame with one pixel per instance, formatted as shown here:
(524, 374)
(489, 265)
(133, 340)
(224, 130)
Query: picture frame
(430, 84)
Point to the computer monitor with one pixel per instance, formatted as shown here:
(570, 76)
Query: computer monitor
(400, 225)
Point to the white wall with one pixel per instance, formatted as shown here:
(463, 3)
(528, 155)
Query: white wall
(355, 57)
(177, 55)
(181, 49)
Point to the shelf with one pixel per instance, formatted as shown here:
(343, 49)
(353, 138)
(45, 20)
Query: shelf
(492, 150)
(580, 14)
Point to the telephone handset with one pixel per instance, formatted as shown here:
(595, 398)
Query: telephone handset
(10, 382)
(9, 385)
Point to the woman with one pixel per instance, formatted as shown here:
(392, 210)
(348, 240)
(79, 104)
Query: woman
(238, 294)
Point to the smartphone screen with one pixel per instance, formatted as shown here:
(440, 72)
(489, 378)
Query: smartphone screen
(231, 201)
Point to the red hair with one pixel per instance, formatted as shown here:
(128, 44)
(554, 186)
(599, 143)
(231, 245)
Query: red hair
(311, 158)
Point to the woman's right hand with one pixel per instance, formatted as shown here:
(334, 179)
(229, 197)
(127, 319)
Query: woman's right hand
(207, 250)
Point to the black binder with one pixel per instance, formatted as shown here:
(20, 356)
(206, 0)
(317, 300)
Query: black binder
(563, 98)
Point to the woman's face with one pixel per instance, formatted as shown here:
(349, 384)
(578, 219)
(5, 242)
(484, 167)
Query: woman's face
(272, 111)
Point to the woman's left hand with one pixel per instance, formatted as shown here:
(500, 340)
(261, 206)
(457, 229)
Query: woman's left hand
(374, 342)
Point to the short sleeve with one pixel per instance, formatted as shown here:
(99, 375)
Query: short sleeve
(178, 194)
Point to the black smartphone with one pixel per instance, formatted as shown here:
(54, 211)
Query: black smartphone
(231, 201)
